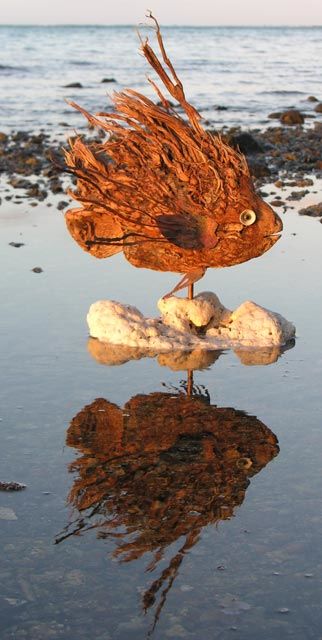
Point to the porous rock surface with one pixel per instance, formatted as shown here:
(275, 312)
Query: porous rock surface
(202, 322)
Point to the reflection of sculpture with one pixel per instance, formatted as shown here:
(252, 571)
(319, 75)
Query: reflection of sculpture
(169, 194)
(163, 467)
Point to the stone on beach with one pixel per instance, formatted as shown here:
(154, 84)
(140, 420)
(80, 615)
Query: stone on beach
(292, 117)
(202, 322)
(314, 210)
(73, 85)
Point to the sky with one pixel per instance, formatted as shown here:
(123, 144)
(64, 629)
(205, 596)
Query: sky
(182, 12)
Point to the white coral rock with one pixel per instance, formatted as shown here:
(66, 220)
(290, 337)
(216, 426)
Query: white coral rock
(203, 322)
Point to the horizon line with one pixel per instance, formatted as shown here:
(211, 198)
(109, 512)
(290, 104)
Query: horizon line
(174, 25)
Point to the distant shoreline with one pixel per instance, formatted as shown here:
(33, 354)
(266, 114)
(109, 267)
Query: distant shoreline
(164, 26)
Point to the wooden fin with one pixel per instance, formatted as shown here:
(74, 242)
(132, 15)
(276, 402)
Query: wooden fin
(86, 227)
(181, 230)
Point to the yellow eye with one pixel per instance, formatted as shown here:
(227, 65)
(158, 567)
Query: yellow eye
(247, 217)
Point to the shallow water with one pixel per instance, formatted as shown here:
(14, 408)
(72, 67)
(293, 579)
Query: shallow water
(248, 72)
(224, 523)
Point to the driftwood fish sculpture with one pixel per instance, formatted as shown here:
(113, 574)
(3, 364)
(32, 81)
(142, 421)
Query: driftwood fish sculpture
(160, 188)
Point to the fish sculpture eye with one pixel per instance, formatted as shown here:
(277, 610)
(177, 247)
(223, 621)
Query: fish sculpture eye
(247, 217)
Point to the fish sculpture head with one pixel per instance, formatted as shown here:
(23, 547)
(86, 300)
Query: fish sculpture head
(237, 227)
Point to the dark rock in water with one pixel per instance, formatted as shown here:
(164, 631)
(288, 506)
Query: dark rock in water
(3, 137)
(246, 143)
(297, 195)
(108, 80)
(276, 115)
(20, 136)
(315, 210)
(11, 486)
(62, 205)
(312, 99)
(221, 107)
(17, 245)
(36, 192)
(55, 186)
(277, 203)
(73, 85)
(258, 168)
(37, 270)
(20, 183)
(304, 182)
(318, 108)
(292, 117)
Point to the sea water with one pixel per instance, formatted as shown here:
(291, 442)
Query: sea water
(234, 75)
(116, 535)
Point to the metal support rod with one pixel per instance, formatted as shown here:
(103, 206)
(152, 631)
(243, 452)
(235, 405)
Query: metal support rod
(190, 291)
(189, 382)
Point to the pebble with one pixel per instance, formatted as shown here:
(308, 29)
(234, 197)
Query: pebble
(73, 85)
(11, 486)
(62, 205)
(17, 245)
(20, 183)
(314, 210)
(246, 142)
(37, 270)
(7, 514)
(292, 117)
(297, 195)
(277, 203)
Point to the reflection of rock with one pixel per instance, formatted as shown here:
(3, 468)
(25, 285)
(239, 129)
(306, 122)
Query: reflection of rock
(179, 360)
(253, 357)
(114, 354)
(163, 467)
(202, 322)
(188, 360)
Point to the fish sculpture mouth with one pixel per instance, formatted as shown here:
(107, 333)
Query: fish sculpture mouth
(272, 238)
(275, 235)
